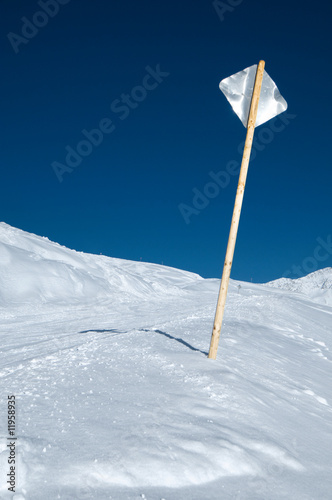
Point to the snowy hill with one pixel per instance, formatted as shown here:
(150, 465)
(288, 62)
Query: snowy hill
(35, 271)
(317, 286)
(116, 398)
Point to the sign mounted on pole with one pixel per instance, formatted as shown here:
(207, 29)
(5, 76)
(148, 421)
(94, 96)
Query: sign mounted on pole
(255, 99)
(238, 90)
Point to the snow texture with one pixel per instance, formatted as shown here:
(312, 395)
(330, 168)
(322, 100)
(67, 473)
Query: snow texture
(116, 398)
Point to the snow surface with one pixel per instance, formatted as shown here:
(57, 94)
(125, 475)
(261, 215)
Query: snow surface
(116, 398)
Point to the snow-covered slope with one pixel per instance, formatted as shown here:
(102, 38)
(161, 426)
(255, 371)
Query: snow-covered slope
(317, 286)
(116, 398)
(34, 271)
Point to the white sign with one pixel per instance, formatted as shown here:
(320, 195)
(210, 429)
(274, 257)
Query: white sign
(238, 90)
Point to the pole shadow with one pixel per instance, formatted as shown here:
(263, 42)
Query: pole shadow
(183, 342)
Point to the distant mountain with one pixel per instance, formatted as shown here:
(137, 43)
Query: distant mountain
(317, 286)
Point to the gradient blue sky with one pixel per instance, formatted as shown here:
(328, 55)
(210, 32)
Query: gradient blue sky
(123, 199)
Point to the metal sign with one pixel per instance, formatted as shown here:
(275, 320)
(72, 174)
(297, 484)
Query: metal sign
(238, 90)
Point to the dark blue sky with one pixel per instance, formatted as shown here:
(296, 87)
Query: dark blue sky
(122, 199)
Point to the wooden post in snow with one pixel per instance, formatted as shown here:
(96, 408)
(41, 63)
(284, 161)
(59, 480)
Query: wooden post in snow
(236, 213)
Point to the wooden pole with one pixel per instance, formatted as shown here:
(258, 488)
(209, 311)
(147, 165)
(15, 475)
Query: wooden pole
(237, 212)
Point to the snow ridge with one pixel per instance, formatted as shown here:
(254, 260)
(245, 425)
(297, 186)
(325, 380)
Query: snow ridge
(35, 271)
